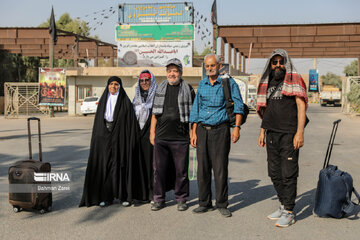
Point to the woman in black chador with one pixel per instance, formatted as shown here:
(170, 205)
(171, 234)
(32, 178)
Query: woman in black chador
(143, 101)
(112, 149)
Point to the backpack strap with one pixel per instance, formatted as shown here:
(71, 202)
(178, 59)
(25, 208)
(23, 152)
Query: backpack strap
(229, 103)
(226, 89)
(348, 207)
(276, 89)
(357, 196)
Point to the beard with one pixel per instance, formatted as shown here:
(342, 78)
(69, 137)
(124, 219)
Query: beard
(278, 73)
(174, 82)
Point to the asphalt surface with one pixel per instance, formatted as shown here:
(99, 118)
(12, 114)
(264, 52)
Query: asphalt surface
(251, 195)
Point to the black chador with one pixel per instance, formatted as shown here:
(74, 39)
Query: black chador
(112, 151)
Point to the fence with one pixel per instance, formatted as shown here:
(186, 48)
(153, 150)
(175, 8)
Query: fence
(22, 99)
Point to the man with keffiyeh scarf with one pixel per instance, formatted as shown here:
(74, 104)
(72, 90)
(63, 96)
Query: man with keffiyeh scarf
(169, 133)
(282, 103)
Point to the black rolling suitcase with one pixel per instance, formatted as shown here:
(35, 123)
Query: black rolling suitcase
(23, 187)
(335, 187)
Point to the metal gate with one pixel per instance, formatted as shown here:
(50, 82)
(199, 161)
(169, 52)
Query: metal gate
(22, 99)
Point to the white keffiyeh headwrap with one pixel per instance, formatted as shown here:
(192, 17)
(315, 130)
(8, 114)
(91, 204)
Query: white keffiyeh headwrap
(142, 108)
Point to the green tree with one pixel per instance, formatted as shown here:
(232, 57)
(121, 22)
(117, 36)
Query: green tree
(31, 68)
(331, 79)
(354, 96)
(352, 69)
(8, 69)
(66, 23)
(206, 51)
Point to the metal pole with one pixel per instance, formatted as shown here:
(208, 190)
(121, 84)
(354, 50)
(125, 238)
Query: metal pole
(52, 66)
(248, 64)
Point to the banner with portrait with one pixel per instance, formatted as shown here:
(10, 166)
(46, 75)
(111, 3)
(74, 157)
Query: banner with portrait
(52, 86)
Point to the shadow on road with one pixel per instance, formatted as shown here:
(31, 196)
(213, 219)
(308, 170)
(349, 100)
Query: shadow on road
(305, 204)
(34, 133)
(96, 214)
(243, 194)
(239, 160)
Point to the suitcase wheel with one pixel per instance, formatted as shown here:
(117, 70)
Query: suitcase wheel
(42, 211)
(16, 209)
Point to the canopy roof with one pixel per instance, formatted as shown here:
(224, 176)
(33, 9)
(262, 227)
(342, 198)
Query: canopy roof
(338, 40)
(35, 42)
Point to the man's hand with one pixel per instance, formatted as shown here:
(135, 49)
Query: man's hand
(152, 129)
(193, 136)
(235, 135)
(299, 136)
(152, 138)
(261, 140)
(298, 140)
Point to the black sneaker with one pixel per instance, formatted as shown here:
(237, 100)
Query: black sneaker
(182, 206)
(202, 209)
(225, 212)
(157, 206)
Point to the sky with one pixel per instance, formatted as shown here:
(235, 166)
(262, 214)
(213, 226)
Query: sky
(31, 13)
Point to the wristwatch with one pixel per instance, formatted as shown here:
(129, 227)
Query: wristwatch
(237, 126)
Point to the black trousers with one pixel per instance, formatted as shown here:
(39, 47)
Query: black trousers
(283, 167)
(164, 152)
(212, 151)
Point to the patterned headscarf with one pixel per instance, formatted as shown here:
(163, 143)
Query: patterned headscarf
(293, 85)
(142, 108)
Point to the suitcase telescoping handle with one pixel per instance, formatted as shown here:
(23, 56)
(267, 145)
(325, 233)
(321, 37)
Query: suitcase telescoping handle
(331, 143)
(29, 136)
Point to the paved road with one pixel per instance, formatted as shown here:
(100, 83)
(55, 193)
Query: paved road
(251, 195)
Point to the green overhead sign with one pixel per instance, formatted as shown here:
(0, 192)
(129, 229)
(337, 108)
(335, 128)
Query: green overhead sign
(154, 32)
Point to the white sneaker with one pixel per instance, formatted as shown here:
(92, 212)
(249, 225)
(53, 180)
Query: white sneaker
(287, 218)
(102, 204)
(126, 204)
(277, 214)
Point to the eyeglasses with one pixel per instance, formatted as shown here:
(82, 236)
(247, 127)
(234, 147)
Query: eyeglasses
(275, 62)
(144, 80)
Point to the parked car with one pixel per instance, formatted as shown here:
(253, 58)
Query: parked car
(89, 105)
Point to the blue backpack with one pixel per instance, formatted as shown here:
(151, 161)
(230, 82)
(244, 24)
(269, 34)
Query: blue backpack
(335, 187)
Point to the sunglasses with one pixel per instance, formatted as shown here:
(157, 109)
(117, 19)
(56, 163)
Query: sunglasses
(275, 62)
(144, 80)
